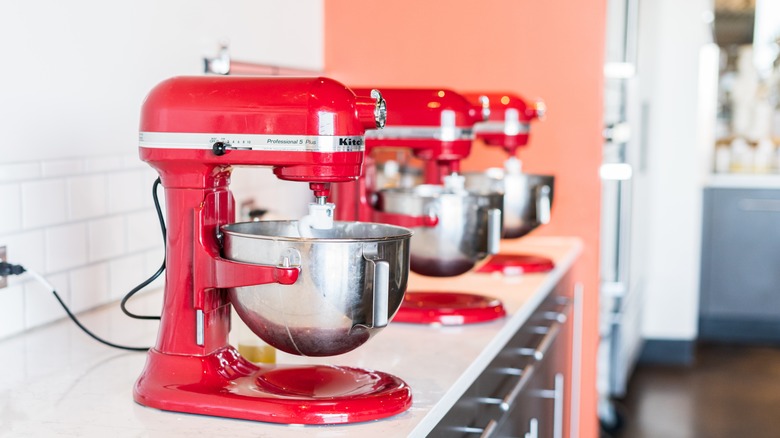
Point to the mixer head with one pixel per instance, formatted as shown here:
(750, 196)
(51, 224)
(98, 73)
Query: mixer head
(435, 123)
(509, 122)
(307, 129)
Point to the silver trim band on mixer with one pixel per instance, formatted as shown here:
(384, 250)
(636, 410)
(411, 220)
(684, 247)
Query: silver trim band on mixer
(252, 142)
(421, 133)
(502, 128)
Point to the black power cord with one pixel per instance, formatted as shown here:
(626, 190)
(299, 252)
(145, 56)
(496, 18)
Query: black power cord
(123, 303)
(19, 269)
(7, 269)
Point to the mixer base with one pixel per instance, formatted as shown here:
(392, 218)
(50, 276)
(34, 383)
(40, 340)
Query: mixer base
(448, 308)
(516, 264)
(224, 384)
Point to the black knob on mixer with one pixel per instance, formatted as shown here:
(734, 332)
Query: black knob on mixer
(219, 148)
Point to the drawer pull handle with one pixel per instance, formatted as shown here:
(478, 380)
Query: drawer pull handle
(508, 371)
(556, 395)
(485, 432)
(558, 406)
(533, 429)
(559, 317)
(489, 429)
(509, 401)
(560, 314)
(541, 349)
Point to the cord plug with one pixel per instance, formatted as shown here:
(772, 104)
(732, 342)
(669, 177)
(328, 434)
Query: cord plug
(7, 269)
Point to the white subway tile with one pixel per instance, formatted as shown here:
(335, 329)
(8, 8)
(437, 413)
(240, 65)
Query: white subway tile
(126, 192)
(89, 287)
(66, 247)
(125, 274)
(11, 311)
(147, 177)
(106, 238)
(88, 196)
(106, 163)
(40, 305)
(44, 203)
(132, 161)
(26, 249)
(10, 208)
(149, 173)
(143, 231)
(55, 168)
(20, 171)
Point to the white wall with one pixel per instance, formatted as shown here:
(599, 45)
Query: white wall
(74, 73)
(672, 33)
(75, 201)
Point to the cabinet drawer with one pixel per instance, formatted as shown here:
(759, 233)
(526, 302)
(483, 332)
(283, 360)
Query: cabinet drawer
(517, 392)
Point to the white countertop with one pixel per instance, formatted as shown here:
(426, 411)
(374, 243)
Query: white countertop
(55, 381)
(743, 181)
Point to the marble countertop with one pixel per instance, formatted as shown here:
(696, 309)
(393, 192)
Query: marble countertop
(55, 381)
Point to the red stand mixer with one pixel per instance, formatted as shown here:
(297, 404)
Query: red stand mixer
(454, 229)
(193, 130)
(527, 197)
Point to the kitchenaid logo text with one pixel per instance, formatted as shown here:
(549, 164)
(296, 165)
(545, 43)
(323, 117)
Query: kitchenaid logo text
(350, 142)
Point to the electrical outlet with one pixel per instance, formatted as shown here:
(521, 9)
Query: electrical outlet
(3, 280)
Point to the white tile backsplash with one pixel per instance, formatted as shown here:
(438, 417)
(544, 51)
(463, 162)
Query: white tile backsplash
(107, 238)
(88, 196)
(143, 231)
(131, 161)
(44, 203)
(103, 164)
(66, 247)
(12, 310)
(127, 191)
(41, 307)
(87, 224)
(89, 287)
(10, 208)
(126, 273)
(20, 171)
(62, 167)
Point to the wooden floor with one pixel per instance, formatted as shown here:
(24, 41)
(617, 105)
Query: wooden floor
(731, 391)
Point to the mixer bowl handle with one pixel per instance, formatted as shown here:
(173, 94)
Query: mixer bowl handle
(379, 270)
(381, 293)
(543, 204)
(494, 230)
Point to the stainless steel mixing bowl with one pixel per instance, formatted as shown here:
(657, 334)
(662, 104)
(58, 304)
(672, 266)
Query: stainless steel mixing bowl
(352, 281)
(527, 198)
(468, 226)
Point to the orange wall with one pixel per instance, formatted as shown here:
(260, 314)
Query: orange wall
(551, 50)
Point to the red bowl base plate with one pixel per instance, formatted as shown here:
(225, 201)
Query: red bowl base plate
(448, 308)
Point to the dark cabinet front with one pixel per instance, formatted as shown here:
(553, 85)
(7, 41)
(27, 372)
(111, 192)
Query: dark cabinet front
(740, 271)
(522, 392)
